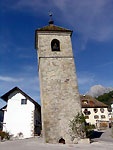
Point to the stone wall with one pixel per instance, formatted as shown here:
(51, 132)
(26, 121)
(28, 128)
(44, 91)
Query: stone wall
(60, 100)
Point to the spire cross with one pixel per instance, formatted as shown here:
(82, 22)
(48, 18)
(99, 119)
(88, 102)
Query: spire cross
(50, 21)
(50, 14)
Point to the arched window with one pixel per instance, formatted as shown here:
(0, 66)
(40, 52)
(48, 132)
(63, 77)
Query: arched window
(55, 45)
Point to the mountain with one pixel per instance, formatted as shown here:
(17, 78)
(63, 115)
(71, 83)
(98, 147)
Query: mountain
(98, 90)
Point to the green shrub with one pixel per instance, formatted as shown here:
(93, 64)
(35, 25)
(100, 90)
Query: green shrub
(4, 135)
(79, 127)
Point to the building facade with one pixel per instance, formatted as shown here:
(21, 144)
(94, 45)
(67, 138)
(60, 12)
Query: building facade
(22, 117)
(111, 113)
(95, 112)
(60, 100)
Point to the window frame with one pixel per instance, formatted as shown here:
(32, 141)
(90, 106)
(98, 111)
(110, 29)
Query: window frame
(95, 110)
(23, 101)
(96, 116)
(102, 110)
(57, 42)
(103, 116)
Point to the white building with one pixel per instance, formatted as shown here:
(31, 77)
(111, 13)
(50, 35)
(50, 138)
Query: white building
(112, 107)
(111, 113)
(94, 111)
(22, 115)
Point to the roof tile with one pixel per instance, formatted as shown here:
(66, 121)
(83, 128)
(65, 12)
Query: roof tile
(91, 102)
(52, 27)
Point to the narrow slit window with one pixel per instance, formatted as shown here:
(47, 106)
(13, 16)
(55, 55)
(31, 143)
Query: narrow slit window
(55, 45)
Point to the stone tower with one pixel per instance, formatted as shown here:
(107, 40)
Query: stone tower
(58, 82)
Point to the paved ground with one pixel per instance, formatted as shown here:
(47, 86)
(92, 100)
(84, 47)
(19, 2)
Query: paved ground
(105, 142)
(34, 145)
(105, 136)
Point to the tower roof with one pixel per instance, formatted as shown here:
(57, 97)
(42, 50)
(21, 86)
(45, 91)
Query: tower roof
(53, 28)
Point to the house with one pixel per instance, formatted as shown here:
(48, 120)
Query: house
(95, 111)
(1, 119)
(112, 108)
(2, 116)
(111, 112)
(22, 115)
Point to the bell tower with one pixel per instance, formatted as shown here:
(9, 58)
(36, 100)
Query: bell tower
(60, 100)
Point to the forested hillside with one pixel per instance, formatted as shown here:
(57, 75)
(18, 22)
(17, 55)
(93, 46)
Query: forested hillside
(106, 98)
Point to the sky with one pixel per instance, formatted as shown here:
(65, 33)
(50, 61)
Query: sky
(92, 41)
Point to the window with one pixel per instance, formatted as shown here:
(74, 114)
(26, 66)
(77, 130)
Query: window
(103, 116)
(91, 102)
(85, 101)
(87, 117)
(23, 101)
(86, 112)
(55, 45)
(96, 117)
(102, 110)
(95, 110)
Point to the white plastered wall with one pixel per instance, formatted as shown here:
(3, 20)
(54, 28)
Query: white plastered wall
(91, 119)
(18, 117)
(112, 107)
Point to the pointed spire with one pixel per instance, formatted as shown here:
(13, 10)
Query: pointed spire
(50, 21)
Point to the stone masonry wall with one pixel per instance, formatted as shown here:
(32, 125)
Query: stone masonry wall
(60, 100)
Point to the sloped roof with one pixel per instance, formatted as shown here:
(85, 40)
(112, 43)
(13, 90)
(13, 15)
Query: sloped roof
(4, 107)
(54, 28)
(5, 96)
(90, 102)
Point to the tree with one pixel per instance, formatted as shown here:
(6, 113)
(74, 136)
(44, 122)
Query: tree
(106, 98)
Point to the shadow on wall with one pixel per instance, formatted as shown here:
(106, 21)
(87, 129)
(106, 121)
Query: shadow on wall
(1, 118)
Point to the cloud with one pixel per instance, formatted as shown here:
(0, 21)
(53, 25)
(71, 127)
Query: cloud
(29, 83)
(10, 79)
(86, 78)
(85, 81)
(92, 20)
(30, 68)
(98, 90)
(24, 6)
(106, 64)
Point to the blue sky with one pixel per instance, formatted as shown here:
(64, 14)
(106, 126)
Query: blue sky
(92, 40)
